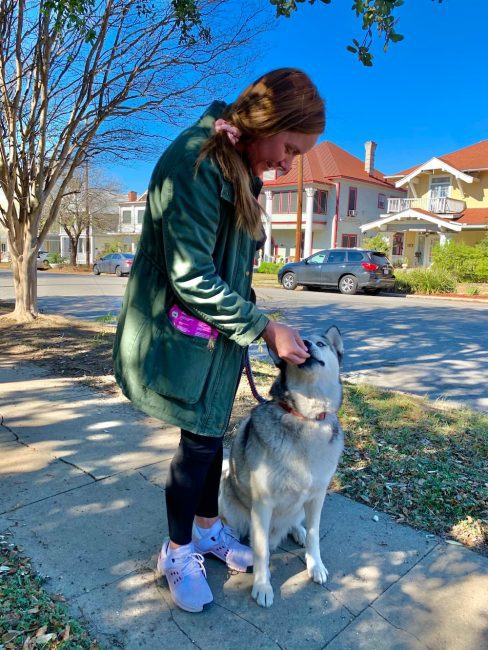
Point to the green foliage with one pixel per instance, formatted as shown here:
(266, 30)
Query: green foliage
(112, 247)
(425, 281)
(376, 243)
(69, 14)
(377, 15)
(269, 267)
(473, 291)
(55, 258)
(25, 608)
(466, 263)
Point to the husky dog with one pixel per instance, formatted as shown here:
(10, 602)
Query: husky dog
(283, 458)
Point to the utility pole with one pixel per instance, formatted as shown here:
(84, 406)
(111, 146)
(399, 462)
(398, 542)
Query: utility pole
(298, 233)
(87, 210)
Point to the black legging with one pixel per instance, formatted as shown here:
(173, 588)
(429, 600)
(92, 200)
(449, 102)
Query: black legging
(192, 486)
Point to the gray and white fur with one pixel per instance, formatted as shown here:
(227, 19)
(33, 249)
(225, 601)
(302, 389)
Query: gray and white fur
(281, 462)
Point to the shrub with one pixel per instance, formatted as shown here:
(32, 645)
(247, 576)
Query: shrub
(473, 291)
(425, 281)
(269, 267)
(55, 258)
(466, 263)
(377, 243)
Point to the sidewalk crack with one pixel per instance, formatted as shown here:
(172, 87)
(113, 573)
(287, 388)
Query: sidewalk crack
(25, 444)
(243, 618)
(398, 627)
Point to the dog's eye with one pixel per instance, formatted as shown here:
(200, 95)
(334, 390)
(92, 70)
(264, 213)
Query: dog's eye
(320, 344)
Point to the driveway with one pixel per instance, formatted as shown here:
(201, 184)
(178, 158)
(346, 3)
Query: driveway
(425, 346)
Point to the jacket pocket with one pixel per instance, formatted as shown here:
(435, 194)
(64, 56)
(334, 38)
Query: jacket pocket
(177, 364)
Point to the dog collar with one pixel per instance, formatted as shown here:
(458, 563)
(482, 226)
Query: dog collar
(320, 416)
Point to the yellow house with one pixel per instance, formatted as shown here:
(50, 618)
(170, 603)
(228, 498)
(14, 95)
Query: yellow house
(447, 199)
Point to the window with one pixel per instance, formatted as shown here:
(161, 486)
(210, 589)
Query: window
(276, 202)
(381, 201)
(320, 202)
(262, 200)
(140, 215)
(318, 258)
(349, 241)
(336, 257)
(397, 248)
(286, 202)
(354, 256)
(293, 202)
(352, 201)
(126, 216)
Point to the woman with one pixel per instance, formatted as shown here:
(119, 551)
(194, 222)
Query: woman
(188, 315)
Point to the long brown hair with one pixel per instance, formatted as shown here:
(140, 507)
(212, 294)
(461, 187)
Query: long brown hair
(281, 100)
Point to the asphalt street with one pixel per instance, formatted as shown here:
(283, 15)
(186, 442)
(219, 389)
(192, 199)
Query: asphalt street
(429, 347)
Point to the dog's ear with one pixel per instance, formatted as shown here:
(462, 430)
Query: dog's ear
(334, 337)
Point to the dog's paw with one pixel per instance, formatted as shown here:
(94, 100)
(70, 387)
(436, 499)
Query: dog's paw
(263, 594)
(317, 571)
(299, 535)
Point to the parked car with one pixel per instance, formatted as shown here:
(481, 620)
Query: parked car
(118, 263)
(42, 261)
(346, 269)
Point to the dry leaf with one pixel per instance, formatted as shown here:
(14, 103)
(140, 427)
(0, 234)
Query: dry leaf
(66, 632)
(45, 638)
(59, 598)
(41, 630)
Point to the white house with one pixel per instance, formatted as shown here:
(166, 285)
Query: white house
(340, 193)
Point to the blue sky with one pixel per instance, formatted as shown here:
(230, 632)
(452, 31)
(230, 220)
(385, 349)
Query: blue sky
(426, 96)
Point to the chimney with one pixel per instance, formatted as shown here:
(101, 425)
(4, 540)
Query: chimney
(370, 147)
(132, 196)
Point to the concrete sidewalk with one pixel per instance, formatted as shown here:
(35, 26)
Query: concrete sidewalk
(82, 480)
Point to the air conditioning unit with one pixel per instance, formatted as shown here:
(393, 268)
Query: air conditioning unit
(351, 213)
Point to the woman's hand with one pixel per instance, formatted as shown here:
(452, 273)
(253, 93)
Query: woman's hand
(285, 342)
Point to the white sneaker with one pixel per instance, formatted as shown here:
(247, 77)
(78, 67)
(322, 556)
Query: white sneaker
(222, 542)
(186, 576)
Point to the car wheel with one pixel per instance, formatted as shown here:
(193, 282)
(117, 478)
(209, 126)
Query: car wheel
(289, 281)
(348, 284)
(118, 272)
(372, 292)
(96, 270)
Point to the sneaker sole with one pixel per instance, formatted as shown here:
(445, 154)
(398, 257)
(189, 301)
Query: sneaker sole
(233, 567)
(160, 574)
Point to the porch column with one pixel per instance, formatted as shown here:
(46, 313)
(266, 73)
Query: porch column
(268, 227)
(307, 246)
(444, 237)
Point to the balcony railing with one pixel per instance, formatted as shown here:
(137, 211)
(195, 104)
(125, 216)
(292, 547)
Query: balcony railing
(440, 205)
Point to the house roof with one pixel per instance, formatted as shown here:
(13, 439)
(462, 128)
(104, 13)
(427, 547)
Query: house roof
(410, 214)
(327, 161)
(469, 158)
(474, 217)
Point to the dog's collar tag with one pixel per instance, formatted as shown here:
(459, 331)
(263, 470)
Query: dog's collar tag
(320, 416)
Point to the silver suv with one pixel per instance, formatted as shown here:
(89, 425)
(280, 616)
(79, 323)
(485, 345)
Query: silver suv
(346, 269)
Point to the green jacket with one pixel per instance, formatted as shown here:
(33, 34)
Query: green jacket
(190, 253)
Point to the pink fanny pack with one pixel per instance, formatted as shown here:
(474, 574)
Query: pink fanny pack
(191, 325)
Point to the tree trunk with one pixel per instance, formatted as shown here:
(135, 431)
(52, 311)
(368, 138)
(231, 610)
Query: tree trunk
(25, 284)
(73, 249)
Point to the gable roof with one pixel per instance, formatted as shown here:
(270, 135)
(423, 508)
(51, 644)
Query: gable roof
(327, 161)
(470, 158)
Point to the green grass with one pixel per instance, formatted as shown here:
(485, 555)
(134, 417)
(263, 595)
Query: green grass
(30, 617)
(425, 465)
